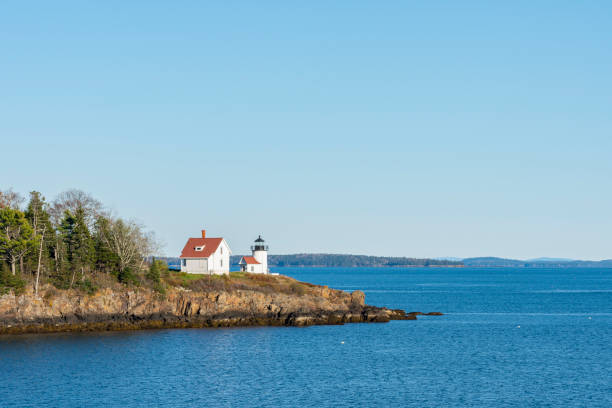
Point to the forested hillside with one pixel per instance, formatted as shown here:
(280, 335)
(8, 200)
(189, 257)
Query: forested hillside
(71, 242)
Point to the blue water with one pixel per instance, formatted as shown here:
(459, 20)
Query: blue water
(474, 356)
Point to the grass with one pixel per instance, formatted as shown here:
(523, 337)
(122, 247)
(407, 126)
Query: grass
(184, 278)
(240, 281)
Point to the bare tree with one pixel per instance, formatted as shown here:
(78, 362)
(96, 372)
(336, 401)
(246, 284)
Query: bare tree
(129, 242)
(10, 199)
(40, 250)
(149, 246)
(72, 200)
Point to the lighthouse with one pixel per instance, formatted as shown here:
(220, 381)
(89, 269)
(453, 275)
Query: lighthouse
(260, 253)
(258, 262)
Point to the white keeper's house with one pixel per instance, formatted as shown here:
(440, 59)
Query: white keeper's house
(258, 262)
(206, 255)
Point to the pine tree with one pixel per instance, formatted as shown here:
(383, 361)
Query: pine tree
(78, 242)
(105, 259)
(157, 268)
(37, 213)
(38, 216)
(15, 236)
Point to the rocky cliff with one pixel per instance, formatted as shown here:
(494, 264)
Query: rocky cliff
(129, 308)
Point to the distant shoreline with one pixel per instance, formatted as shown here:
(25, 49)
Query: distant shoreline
(369, 266)
(366, 261)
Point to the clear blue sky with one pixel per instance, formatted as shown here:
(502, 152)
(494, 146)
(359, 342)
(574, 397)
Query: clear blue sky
(408, 128)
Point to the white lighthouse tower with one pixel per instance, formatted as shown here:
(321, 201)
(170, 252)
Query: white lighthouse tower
(258, 262)
(260, 253)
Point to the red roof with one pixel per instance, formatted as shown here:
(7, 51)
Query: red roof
(250, 260)
(209, 245)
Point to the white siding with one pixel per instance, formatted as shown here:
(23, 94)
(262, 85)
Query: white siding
(194, 265)
(217, 263)
(262, 258)
(254, 268)
(257, 268)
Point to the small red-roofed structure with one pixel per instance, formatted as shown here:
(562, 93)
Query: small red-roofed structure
(258, 262)
(205, 255)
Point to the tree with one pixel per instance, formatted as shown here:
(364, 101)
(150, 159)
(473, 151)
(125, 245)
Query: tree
(40, 252)
(15, 236)
(39, 218)
(157, 268)
(105, 259)
(72, 200)
(10, 281)
(72, 236)
(148, 245)
(154, 274)
(122, 238)
(10, 199)
(79, 245)
(37, 212)
(128, 241)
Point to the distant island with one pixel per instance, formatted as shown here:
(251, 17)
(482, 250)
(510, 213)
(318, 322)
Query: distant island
(337, 260)
(493, 262)
(352, 261)
(349, 261)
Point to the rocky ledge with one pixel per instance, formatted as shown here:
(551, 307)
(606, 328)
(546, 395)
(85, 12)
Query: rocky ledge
(128, 309)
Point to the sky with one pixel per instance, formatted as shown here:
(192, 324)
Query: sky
(396, 128)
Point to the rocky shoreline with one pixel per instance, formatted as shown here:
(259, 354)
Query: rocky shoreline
(135, 309)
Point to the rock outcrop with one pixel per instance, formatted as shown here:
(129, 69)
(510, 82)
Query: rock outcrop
(125, 309)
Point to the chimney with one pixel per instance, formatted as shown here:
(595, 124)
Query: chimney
(203, 233)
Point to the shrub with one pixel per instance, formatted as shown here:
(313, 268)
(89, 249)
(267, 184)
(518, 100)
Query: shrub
(160, 288)
(9, 281)
(127, 276)
(60, 283)
(156, 270)
(297, 288)
(50, 293)
(88, 286)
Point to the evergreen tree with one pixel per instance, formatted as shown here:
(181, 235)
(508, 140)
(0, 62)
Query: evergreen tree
(15, 236)
(154, 274)
(157, 268)
(61, 266)
(38, 216)
(37, 213)
(78, 243)
(105, 259)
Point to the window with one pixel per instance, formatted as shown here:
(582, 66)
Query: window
(184, 262)
(221, 250)
(199, 248)
(252, 268)
(222, 263)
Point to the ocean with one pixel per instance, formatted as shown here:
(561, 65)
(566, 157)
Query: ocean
(509, 338)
